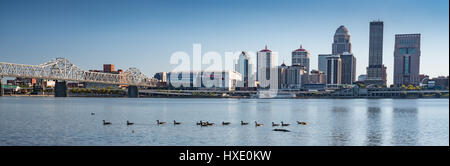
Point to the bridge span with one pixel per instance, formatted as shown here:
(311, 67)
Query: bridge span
(62, 70)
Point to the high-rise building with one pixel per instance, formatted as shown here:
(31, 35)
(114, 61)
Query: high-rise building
(108, 68)
(348, 74)
(341, 42)
(323, 62)
(406, 59)
(376, 71)
(317, 77)
(245, 67)
(301, 57)
(291, 77)
(334, 69)
(265, 64)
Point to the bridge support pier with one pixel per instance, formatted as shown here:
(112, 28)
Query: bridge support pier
(133, 92)
(60, 89)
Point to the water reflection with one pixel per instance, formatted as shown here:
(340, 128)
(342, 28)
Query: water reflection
(340, 134)
(374, 130)
(405, 126)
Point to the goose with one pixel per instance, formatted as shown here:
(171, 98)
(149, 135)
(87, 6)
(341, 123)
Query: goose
(209, 124)
(283, 130)
(284, 124)
(258, 124)
(92, 113)
(302, 123)
(176, 123)
(244, 123)
(106, 123)
(199, 123)
(158, 122)
(226, 123)
(274, 124)
(129, 123)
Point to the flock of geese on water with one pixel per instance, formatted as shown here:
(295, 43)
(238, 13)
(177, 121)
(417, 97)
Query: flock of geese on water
(204, 124)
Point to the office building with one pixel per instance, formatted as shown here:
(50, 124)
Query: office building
(265, 64)
(334, 70)
(245, 67)
(317, 77)
(341, 42)
(301, 57)
(376, 71)
(348, 74)
(406, 59)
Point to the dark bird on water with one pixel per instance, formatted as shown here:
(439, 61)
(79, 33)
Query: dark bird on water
(129, 123)
(244, 123)
(176, 123)
(158, 122)
(284, 124)
(274, 124)
(106, 123)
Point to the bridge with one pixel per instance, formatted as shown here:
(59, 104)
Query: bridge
(62, 70)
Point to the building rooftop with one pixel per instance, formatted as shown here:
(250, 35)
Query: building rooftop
(265, 50)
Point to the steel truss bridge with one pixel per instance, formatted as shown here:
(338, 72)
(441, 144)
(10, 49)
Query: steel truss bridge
(63, 70)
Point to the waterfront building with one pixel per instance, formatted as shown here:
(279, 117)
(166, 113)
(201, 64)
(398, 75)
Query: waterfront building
(301, 57)
(245, 67)
(341, 42)
(323, 62)
(204, 80)
(317, 77)
(376, 71)
(292, 77)
(348, 75)
(440, 82)
(265, 64)
(334, 69)
(406, 59)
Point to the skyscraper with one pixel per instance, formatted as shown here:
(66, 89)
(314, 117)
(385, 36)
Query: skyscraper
(348, 74)
(406, 59)
(376, 72)
(341, 42)
(265, 63)
(334, 69)
(301, 57)
(323, 62)
(244, 67)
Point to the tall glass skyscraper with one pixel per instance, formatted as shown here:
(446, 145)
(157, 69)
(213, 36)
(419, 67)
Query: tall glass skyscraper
(376, 72)
(407, 59)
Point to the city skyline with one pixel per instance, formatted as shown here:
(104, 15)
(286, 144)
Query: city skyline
(101, 36)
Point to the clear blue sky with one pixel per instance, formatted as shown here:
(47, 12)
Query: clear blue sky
(144, 34)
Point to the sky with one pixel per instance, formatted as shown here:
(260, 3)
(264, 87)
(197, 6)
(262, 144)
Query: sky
(144, 34)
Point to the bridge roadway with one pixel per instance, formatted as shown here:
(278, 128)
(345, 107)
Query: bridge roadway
(61, 70)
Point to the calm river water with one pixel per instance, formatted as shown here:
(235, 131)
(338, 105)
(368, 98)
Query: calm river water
(68, 121)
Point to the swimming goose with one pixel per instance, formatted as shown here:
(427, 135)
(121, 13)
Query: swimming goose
(106, 123)
(176, 123)
(199, 123)
(302, 123)
(209, 124)
(226, 123)
(274, 124)
(129, 123)
(258, 124)
(92, 113)
(244, 123)
(284, 124)
(158, 122)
